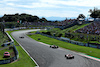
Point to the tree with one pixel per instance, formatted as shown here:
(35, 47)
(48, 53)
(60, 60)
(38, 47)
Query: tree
(95, 13)
(2, 27)
(17, 14)
(0, 19)
(81, 16)
(16, 17)
(43, 20)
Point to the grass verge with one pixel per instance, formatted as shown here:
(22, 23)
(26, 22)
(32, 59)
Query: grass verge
(87, 50)
(3, 38)
(6, 50)
(23, 61)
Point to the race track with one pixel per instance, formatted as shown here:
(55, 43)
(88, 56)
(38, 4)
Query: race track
(48, 57)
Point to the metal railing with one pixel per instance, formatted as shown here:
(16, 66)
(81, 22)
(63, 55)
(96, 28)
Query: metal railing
(73, 42)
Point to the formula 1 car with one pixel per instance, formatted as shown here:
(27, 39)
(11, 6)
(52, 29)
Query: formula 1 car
(21, 37)
(53, 46)
(69, 56)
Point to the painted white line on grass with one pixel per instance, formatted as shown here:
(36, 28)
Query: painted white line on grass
(27, 53)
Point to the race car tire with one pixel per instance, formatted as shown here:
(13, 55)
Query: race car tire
(57, 46)
(50, 46)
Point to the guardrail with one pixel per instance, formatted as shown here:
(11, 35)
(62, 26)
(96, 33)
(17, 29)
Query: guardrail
(72, 41)
(15, 51)
(19, 28)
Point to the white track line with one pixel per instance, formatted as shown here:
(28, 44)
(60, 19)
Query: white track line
(75, 53)
(90, 57)
(27, 53)
(44, 44)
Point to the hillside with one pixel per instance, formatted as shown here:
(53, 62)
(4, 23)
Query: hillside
(20, 17)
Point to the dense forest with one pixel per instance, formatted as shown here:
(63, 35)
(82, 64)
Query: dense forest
(21, 17)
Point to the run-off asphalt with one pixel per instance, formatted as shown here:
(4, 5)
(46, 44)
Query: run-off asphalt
(48, 57)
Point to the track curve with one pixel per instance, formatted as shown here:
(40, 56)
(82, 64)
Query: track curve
(48, 57)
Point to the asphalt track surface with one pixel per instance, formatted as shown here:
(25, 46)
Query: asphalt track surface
(48, 57)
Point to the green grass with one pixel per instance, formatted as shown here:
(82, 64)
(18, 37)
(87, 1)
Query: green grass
(76, 35)
(80, 26)
(73, 28)
(3, 38)
(85, 39)
(94, 42)
(39, 31)
(58, 31)
(87, 50)
(23, 61)
(6, 50)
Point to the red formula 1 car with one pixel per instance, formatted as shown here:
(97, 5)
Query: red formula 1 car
(53, 46)
(69, 56)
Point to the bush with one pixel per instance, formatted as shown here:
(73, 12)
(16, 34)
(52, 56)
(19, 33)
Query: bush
(59, 35)
(48, 33)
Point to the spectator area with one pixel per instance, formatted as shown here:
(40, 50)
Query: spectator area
(93, 28)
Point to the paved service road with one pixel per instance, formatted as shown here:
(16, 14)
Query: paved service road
(48, 57)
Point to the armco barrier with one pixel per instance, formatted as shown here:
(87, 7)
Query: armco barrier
(15, 51)
(19, 28)
(73, 42)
